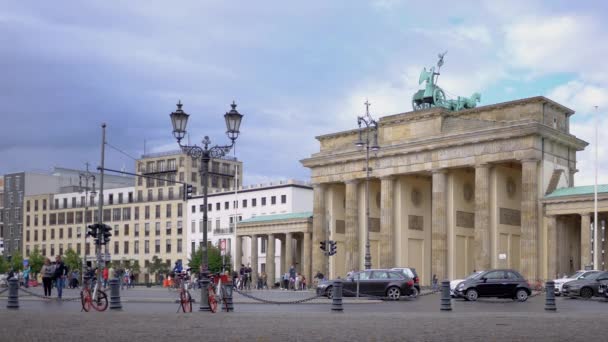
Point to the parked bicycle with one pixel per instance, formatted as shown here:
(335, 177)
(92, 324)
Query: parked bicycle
(97, 299)
(185, 299)
(217, 294)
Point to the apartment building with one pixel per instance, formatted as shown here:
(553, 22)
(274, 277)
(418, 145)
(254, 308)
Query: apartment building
(148, 219)
(226, 208)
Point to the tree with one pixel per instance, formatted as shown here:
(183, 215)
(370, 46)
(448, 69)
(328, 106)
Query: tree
(17, 262)
(135, 268)
(72, 260)
(4, 265)
(157, 266)
(36, 261)
(214, 256)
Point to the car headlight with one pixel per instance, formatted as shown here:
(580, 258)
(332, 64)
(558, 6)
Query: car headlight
(460, 286)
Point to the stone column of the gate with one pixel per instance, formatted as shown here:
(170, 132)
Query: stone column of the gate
(288, 251)
(270, 261)
(529, 222)
(482, 217)
(585, 240)
(439, 225)
(306, 264)
(351, 235)
(318, 224)
(552, 254)
(238, 253)
(387, 222)
(254, 260)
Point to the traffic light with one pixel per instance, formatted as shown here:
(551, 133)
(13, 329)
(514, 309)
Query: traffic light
(104, 235)
(324, 245)
(188, 189)
(332, 247)
(92, 230)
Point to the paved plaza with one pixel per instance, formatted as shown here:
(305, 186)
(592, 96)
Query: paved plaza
(151, 314)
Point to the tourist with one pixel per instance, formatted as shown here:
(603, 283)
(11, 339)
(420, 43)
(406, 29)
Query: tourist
(47, 272)
(61, 272)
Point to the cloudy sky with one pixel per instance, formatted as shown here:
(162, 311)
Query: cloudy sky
(296, 70)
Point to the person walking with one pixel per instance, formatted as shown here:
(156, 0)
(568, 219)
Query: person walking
(61, 271)
(47, 277)
(435, 281)
(292, 277)
(26, 276)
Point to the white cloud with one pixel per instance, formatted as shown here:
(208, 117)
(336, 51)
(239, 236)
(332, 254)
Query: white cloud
(580, 96)
(554, 44)
(586, 159)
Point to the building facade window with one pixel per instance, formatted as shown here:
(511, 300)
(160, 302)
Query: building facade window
(273, 200)
(147, 229)
(136, 229)
(168, 228)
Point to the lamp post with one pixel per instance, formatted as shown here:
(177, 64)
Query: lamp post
(86, 177)
(179, 119)
(370, 143)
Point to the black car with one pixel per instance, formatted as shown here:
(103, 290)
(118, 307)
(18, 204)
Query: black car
(494, 283)
(381, 283)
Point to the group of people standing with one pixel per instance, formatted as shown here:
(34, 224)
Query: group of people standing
(54, 273)
(293, 280)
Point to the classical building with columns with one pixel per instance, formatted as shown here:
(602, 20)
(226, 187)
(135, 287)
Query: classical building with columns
(450, 191)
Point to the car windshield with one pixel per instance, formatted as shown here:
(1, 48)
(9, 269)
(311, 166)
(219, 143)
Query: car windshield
(474, 275)
(576, 275)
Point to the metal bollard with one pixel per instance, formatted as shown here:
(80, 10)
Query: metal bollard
(13, 294)
(550, 296)
(115, 295)
(336, 303)
(446, 300)
(204, 305)
(229, 307)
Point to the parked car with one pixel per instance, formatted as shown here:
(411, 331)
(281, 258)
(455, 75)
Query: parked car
(603, 288)
(585, 288)
(455, 282)
(410, 273)
(495, 283)
(4, 280)
(377, 282)
(582, 274)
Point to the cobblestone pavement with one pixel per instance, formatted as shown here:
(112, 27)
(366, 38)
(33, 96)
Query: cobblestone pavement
(348, 326)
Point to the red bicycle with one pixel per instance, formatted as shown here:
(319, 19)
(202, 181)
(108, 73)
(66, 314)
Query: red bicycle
(185, 299)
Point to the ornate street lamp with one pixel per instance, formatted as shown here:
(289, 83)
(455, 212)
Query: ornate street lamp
(179, 120)
(86, 177)
(370, 142)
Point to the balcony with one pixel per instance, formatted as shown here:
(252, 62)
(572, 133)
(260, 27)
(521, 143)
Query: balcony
(223, 231)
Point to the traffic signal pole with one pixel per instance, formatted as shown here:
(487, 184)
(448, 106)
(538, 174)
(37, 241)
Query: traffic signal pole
(100, 215)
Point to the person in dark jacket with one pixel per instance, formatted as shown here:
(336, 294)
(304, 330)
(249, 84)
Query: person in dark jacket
(61, 272)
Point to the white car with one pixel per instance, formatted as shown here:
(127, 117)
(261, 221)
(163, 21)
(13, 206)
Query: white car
(455, 282)
(4, 280)
(582, 274)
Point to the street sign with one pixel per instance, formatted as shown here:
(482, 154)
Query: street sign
(223, 246)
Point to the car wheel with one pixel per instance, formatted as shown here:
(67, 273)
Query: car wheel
(521, 295)
(586, 292)
(329, 292)
(415, 292)
(393, 293)
(472, 295)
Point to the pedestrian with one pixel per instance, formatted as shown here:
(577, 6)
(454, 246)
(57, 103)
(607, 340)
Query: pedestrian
(105, 275)
(61, 272)
(241, 276)
(248, 276)
(298, 282)
(74, 279)
(435, 280)
(26, 276)
(304, 283)
(132, 280)
(286, 281)
(47, 272)
(317, 278)
(292, 276)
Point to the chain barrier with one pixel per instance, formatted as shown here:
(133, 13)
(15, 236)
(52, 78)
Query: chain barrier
(267, 301)
(72, 299)
(420, 294)
(354, 294)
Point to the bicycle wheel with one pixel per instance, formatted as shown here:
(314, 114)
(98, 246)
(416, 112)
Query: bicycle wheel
(85, 300)
(212, 300)
(101, 302)
(186, 301)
